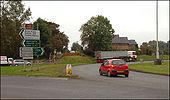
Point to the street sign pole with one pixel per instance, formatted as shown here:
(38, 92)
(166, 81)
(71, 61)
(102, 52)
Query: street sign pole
(31, 43)
(37, 63)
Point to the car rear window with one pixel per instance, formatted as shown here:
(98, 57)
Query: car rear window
(118, 62)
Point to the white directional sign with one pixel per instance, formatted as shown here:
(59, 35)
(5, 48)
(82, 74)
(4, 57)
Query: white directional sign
(30, 34)
(26, 52)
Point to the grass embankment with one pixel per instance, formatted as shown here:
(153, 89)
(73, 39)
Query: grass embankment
(151, 68)
(151, 58)
(47, 70)
(77, 60)
(52, 70)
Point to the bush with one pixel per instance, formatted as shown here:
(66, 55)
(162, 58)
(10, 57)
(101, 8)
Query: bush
(88, 52)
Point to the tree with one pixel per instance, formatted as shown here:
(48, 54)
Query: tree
(13, 16)
(58, 40)
(51, 37)
(97, 33)
(76, 47)
(150, 47)
(45, 33)
(146, 48)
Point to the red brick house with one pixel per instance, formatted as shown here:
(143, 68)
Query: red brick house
(123, 44)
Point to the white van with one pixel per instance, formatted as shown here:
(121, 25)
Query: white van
(6, 61)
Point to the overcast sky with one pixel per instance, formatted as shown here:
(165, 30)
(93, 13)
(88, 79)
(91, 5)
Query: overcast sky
(132, 19)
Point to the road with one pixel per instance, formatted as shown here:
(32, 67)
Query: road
(91, 85)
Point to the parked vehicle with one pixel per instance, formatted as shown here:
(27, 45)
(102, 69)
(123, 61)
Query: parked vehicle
(18, 62)
(125, 55)
(114, 67)
(4, 60)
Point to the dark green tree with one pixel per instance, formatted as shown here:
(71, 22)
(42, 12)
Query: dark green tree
(76, 47)
(146, 49)
(45, 33)
(13, 15)
(150, 47)
(163, 48)
(58, 40)
(51, 37)
(97, 33)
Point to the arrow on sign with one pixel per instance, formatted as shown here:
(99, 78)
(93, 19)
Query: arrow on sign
(30, 34)
(38, 51)
(31, 43)
(20, 33)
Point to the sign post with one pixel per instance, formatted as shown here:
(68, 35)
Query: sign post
(31, 43)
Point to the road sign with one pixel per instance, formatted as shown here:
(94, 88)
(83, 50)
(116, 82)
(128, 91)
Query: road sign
(30, 34)
(26, 52)
(38, 51)
(31, 43)
(29, 26)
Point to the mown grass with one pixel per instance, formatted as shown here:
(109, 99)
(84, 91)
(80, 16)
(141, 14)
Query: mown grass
(77, 60)
(148, 57)
(52, 70)
(151, 68)
(47, 70)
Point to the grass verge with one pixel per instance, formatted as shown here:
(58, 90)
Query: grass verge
(46, 70)
(151, 68)
(149, 58)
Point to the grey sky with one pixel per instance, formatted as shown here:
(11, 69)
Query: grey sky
(133, 19)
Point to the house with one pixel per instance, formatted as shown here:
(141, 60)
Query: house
(120, 43)
(133, 45)
(123, 44)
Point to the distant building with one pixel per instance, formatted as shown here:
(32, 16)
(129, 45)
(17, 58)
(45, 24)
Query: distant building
(123, 44)
(133, 45)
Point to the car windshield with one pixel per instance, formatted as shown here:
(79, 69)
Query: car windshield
(118, 62)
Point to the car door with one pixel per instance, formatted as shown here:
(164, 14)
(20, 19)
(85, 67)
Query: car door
(102, 67)
(106, 67)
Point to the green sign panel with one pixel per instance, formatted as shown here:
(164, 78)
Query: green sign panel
(38, 51)
(31, 43)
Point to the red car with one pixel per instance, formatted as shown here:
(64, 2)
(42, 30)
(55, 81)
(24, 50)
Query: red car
(114, 67)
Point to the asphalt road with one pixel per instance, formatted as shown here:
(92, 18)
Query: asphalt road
(91, 85)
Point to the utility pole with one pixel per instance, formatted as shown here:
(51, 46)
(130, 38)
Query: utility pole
(157, 48)
(157, 61)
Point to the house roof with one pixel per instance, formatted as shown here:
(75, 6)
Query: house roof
(120, 40)
(132, 42)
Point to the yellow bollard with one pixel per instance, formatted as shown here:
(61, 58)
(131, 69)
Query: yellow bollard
(68, 70)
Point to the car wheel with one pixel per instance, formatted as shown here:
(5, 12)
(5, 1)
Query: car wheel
(100, 72)
(126, 75)
(109, 74)
(28, 64)
(115, 75)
